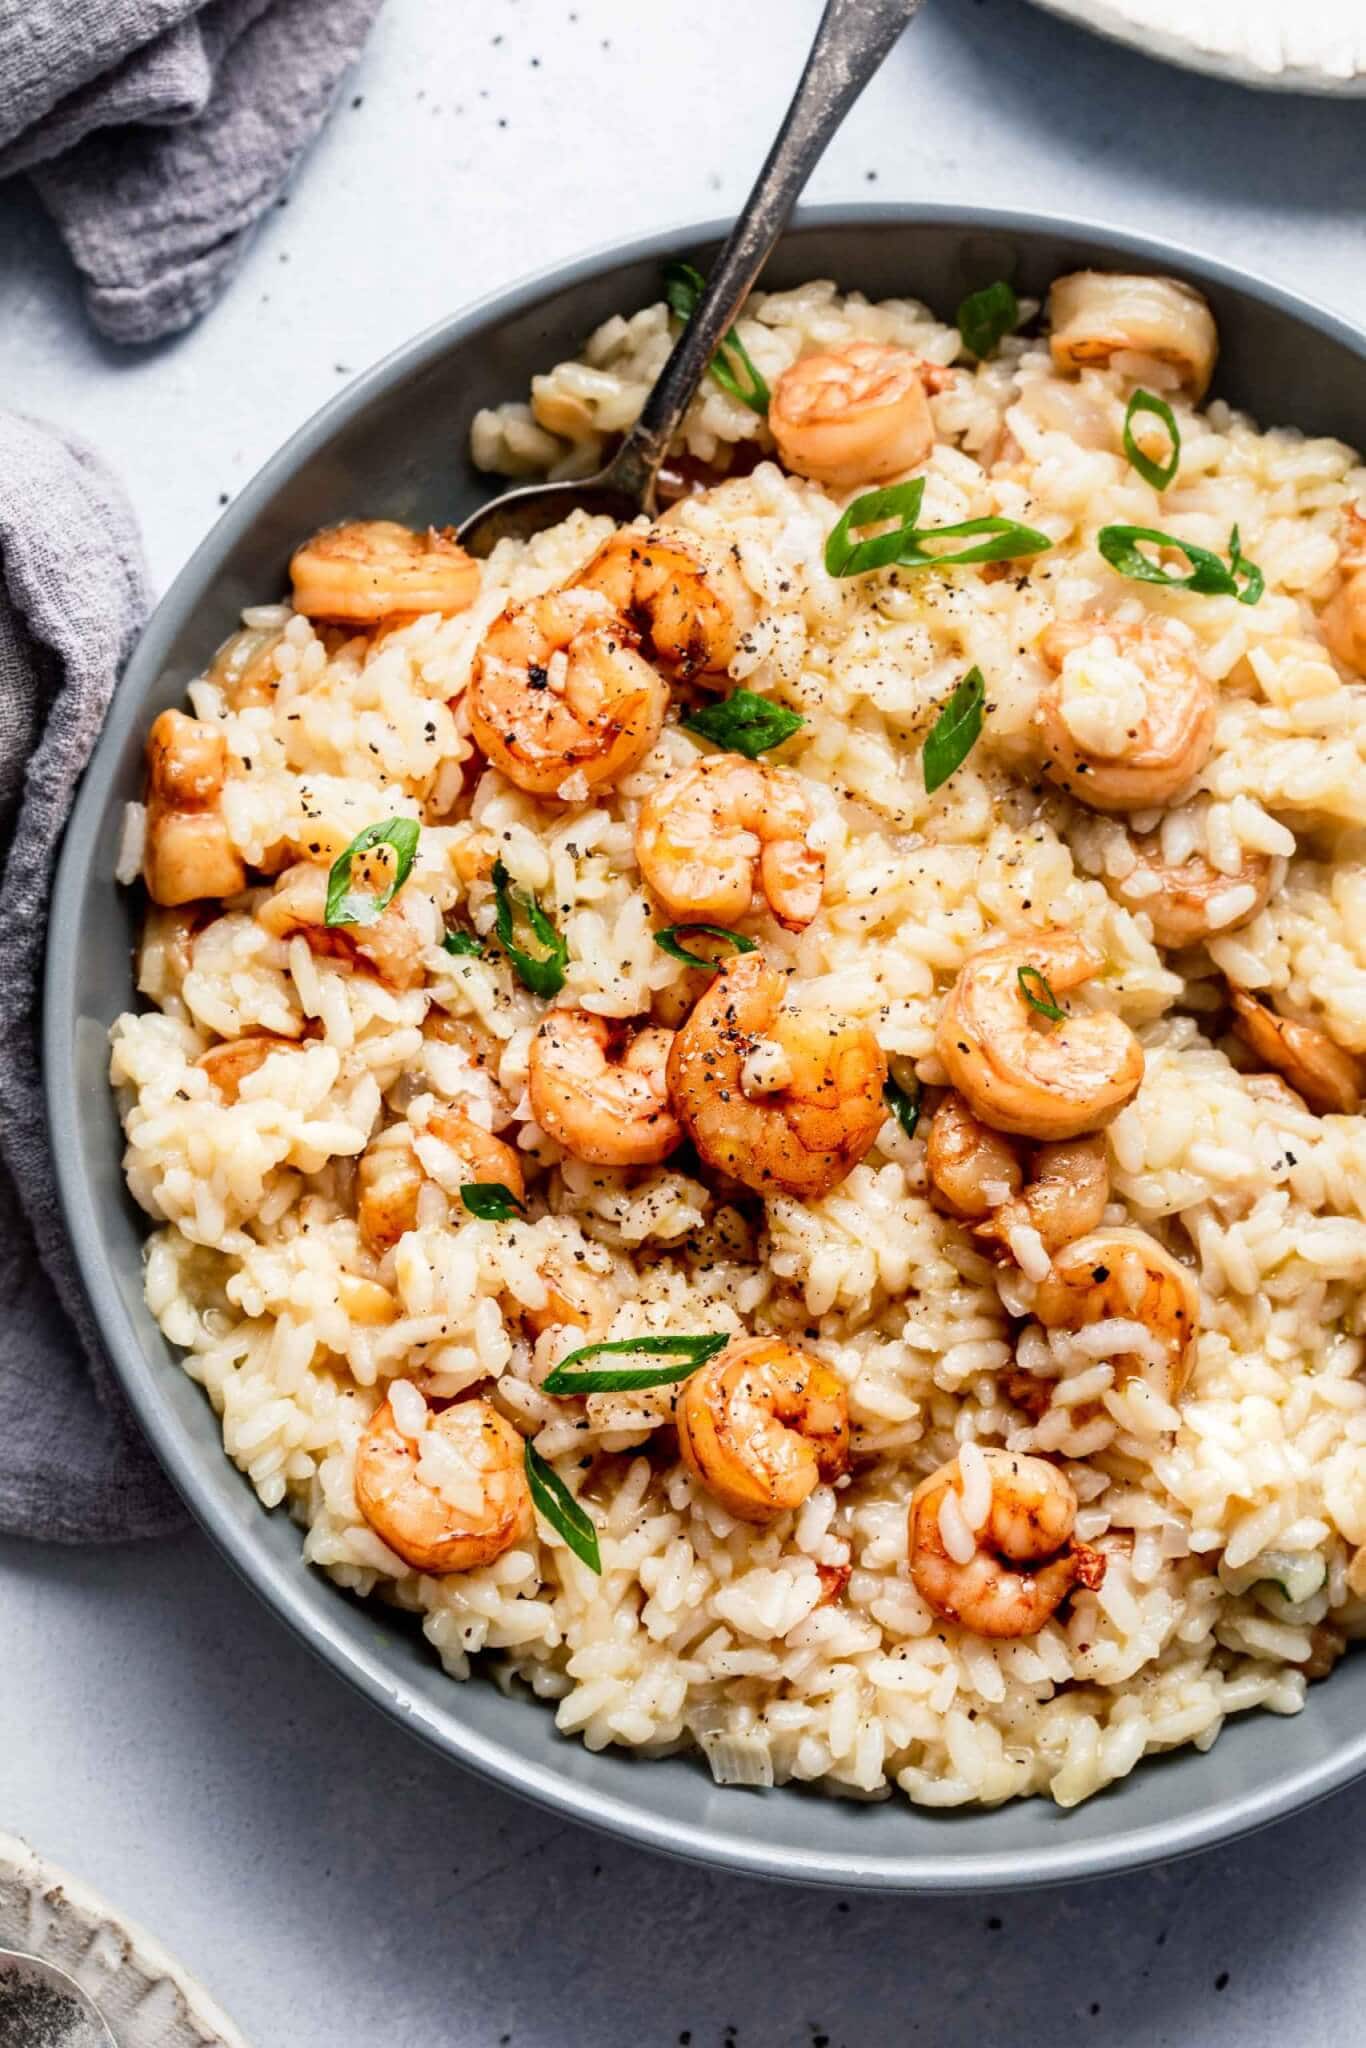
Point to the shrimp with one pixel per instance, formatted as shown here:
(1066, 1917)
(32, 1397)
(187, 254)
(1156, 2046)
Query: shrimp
(760, 1427)
(1128, 719)
(560, 690)
(189, 854)
(229, 1064)
(784, 1101)
(244, 667)
(1342, 621)
(1193, 899)
(603, 1100)
(1331, 1080)
(995, 1551)
(1021, 1073)
(369, 570)
(391, 946)
(1125, 1275)
(978, 1176)
(707, 839)
(573, 1296)
(390, 1176)
(448, 1493)
(854, 415)
(1097, 314)
(688, 604)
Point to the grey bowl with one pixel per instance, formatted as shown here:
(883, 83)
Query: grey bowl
(393, 444)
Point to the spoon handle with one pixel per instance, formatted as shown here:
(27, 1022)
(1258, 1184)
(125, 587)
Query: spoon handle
(851, 42)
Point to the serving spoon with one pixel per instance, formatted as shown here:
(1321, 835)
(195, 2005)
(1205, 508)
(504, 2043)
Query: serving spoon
(851, 42)
(42, 2004)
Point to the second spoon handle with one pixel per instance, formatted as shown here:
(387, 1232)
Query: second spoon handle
(851, 42)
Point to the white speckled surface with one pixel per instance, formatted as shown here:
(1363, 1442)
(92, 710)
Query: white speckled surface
(331, 1883)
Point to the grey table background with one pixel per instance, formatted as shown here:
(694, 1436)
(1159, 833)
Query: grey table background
(331, 1882)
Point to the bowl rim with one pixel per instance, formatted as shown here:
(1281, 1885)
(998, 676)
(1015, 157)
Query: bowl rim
(365, 1667)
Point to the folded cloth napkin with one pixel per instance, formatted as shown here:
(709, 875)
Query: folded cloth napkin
(73, 596)
(157, 133)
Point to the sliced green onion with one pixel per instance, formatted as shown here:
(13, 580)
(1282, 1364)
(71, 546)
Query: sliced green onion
(684, 285)
(1209, 576)
(904, 1106)
(745, 723)
(552, 1498)
(463, 945)
(667, 942)
(402, 835)
(490, 1201)
(905, 546)
(985, 316)
(845, 556)
(690, 1352)
(543, 974)
(1158, 474)
(955, 732)
(1009, 540)
(1045, 1002)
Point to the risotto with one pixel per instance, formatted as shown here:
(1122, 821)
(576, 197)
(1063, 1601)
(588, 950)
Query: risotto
(758, 1118)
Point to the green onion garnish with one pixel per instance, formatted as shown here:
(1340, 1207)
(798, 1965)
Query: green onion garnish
(1210, 576)
(905, 544)
(1158, 474)
(543, 974)
(402, 835)
(904, 1106)
(745, 723)
(667, 942)
(1046, 1003)
(490, 1201)
(683, 287)
(462, 944)
(954, 733)
(553, 1499)
(689, 1351)
(985, 316)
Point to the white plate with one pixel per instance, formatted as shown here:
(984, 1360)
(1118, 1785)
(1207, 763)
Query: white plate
(1286, 45)
(145, 1996)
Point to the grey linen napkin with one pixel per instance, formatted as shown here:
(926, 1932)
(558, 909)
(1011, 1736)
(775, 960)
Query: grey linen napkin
(157, 132)
(73, 596)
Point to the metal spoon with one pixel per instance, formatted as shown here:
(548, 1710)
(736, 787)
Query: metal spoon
(41, 2004)
(853, 38)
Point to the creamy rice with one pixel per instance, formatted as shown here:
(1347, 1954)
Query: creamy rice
(1228, 1521)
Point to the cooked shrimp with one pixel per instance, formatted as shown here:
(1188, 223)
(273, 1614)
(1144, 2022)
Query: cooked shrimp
(688, 604)
(573, 1296)
(229, 1064)
(1128, 719)
(707, 839)
(1193, 899)
(1019, 1071)
(1095, 315)
(244, 666)
(602, 1092)
(560, 690)
(189, 854)
(390, 1177)
(995, 1550)
(1331, 1080)
(391, 945)
(761, 1426)
(1343, 619)
(855, 415)
(781, 1100)
(368, 570)
(978, 1175)
(1124, 1275)
(448, 1492)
